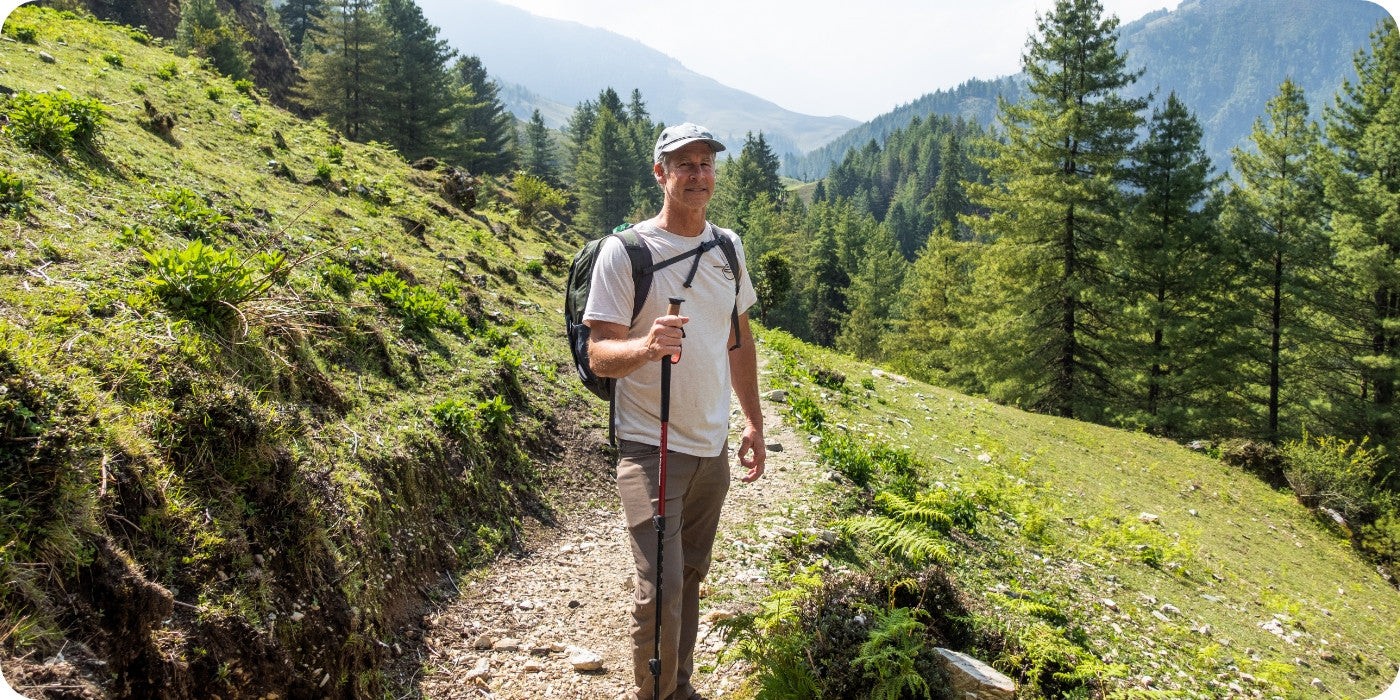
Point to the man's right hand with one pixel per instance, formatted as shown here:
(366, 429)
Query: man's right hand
(664, 338)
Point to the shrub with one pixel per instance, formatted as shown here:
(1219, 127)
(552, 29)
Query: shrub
(244, 86)
(534, 268)
(113, 59)
(137, 237)
(139, 36)
(335, 154)
(1328, 472)
(214, 92)
(15, 197)
(323, 171)
(533, 195)
(138, 88)
(205, 283)
(189, 215)
(455, 417)
(25, 33)
(890, 656)
(52, 123)
(829, 378)
(168, 70)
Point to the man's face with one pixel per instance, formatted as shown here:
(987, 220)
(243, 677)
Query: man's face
(691, 180)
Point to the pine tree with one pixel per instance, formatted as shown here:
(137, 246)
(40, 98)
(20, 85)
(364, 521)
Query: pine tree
(1053, 207)
(485, 129)
(947, 200)
(416, 100)
(539, 151)
(1173, 274)
(606, 175)
(208, 33)
(938, 302)
(1278, 209)
(1362, 187)
(744, 180)
(882, 268)
(299, 17)
(345, 70)
(828, 281)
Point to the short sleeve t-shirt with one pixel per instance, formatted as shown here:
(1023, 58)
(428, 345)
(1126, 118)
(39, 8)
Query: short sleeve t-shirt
(700, 383)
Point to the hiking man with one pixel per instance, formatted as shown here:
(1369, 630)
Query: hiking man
(710, 362)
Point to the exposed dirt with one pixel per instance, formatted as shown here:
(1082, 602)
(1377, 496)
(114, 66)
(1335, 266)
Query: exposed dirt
(568, 587)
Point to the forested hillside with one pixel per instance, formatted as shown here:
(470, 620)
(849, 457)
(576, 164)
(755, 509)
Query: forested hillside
(1223, 58)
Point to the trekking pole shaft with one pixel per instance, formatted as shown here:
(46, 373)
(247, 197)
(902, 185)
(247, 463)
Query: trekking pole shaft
(674, 309)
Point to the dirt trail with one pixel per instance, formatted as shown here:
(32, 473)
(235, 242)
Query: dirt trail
(570, 589)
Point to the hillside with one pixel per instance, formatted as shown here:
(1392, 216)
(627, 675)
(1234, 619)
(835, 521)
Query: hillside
(274, 405)
(526, 50)
(1224, 58)
(260, 389)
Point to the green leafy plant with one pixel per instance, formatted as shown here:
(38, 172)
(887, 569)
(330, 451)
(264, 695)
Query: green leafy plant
(113, 59)
(139, 36)
(214, 92)
(1329, 472)
(533, 195)
(495, 415)
(136, 237)
(335, 153)
(535, 268)
(889, 655)
(774, 643)
(138, 88)
(338, 277)
(53, 123)
(421, 309)
(323, 171)
(168, 70)
(205, 283)
(189, 214)
(245, 86)
(455, 417)
(25, 33)
(15, 195)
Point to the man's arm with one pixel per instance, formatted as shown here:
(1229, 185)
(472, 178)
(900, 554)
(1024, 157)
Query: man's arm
(743, 376)
(612, 354)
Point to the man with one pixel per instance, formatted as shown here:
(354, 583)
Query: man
(697, 459)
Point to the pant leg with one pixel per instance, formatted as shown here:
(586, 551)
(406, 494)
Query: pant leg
(637, 481)
(704, 499)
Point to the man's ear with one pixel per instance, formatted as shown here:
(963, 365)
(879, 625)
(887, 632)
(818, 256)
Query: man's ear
(658, 172)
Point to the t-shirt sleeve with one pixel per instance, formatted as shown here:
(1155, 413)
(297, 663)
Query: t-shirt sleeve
(747, 296)
(610, 297)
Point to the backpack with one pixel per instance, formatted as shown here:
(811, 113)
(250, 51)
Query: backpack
(580, 282)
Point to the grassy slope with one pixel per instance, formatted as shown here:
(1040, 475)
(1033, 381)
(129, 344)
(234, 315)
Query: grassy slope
(252, 510)
(1070, 526)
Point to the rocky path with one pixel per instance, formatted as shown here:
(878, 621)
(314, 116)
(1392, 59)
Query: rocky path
(532, 624)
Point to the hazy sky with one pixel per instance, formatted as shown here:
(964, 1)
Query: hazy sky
(827, 57)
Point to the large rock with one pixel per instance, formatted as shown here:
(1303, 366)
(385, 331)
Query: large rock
(972, 679)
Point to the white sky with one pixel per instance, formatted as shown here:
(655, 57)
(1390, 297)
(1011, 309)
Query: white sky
(827, 57)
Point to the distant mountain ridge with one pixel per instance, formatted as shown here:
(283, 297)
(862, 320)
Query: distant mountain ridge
(563, 63)
(1224, 58)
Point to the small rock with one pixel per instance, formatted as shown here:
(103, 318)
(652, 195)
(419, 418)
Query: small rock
(507, 644)
(1108, 603)
(297, 617)
(1148, 518)
(1170, 609)
(525, 605)
(1205, 629)
(574, 604)
(984, 458)
(774, 447)
(584, 660)
(47, 57)
(482, 670)
(533, 666)
(778, 395)
(716, 615)
(1327, 656)
(485, 641)
(1317, 683)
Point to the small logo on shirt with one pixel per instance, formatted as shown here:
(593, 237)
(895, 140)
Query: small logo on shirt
(724, 270)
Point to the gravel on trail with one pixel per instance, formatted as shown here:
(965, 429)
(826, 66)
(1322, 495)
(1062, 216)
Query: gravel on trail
(550, 619)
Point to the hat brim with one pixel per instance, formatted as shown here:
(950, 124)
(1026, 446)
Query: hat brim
(678, 144)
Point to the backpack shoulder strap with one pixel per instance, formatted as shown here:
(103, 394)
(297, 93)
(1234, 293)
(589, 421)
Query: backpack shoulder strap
(640, 256)
(732, 256)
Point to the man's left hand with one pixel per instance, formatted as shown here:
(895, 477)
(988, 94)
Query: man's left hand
(752, 454)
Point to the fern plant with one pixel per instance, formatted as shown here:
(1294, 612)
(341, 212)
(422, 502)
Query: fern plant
(911, 530)
(773, 642)
(889, 655)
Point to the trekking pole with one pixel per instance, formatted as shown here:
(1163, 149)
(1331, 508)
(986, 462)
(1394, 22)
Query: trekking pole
(659, 520)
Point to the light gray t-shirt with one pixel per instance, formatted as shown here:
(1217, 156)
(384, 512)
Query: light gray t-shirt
(700, 382)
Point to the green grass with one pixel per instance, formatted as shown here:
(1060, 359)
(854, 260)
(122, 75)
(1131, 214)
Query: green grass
(1063, 521)
(190, 340)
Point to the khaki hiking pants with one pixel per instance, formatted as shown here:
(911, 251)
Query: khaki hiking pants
(695, 491)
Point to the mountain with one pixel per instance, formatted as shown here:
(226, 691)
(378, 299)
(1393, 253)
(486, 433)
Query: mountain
(1224, 58)
(564, 63)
